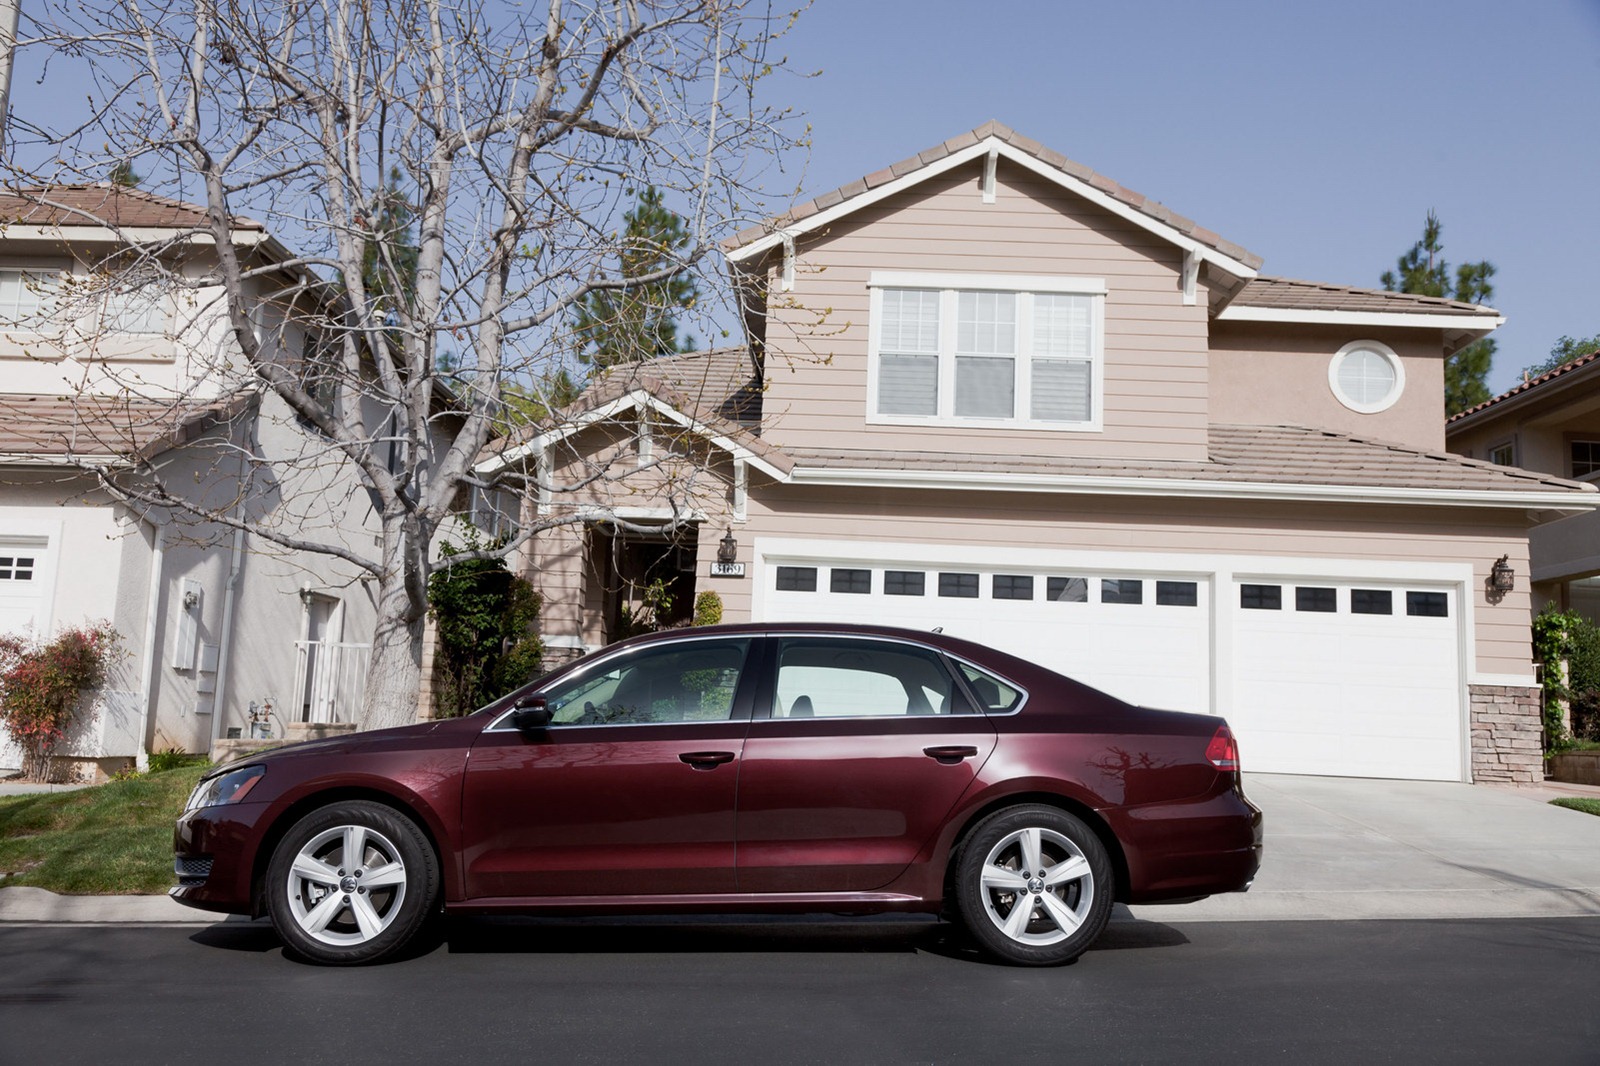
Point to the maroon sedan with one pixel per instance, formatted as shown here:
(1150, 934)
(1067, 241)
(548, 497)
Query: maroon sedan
(763, 768)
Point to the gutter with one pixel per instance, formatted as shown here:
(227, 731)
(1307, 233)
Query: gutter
(147, 664)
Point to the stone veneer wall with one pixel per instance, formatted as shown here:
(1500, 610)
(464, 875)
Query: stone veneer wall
(1507, 743)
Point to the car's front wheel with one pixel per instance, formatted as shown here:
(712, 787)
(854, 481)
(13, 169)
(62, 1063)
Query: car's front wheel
(351, 883)
(1034, 885)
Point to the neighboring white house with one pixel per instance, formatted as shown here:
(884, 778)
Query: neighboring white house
(217, 624)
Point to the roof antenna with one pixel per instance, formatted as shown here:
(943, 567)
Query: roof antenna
(938, 629)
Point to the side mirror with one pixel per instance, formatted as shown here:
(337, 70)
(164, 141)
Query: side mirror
(531, 714)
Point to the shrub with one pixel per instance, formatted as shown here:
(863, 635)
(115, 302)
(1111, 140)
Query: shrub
(173, 759)
(707, 608)
(485, 616)
(41, 684)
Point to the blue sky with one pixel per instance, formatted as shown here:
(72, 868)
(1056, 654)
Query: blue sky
(1316, 135)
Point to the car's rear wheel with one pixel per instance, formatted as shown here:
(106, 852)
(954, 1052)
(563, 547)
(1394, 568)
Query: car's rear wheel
(1034, 885)
(351, 883)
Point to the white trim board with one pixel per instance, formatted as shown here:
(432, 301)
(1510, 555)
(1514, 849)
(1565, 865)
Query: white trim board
(1483, 323)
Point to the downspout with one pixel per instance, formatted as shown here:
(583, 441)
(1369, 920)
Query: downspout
(224, 653)
(147, 665)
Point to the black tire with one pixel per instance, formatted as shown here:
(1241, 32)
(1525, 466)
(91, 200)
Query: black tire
(378, 905)
(1061, 919)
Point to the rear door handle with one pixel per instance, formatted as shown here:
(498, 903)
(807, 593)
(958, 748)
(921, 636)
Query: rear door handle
(950, 754)
(706, 760)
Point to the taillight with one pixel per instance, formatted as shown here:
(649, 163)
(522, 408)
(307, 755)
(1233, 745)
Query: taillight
(1223, 751)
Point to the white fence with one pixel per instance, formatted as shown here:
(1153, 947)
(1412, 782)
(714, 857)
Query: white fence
(329, 679)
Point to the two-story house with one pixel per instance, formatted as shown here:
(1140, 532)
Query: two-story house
(103, 367)
(989, 390)
(1549, 423)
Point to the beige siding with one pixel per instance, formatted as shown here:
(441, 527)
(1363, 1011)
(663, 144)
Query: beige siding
(1155, 369)
(1202, 528)
(1272, 373)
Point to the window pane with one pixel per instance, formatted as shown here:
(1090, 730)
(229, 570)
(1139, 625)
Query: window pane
(1063, 325)
(1013, 587)
(1365, 376)
(1123, 591)
(1371, 601)
(1177, 594)
(1324, 601)
(858, 581)
(861, 678)
(960, 586)
(904, 582)
(1261, 597)
(1061, 390)
(995, 695)
(1427, 604)
(797, 579)
(986, 323)
(27, 298)
(1067, 589)
(910, 321)
(908, 384)
(1503, 455)
(1585, 457)
(664, 684)
(985, 388)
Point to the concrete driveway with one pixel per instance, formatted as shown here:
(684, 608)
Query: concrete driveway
(1342, 848)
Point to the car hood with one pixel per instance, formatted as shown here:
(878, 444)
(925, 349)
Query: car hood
(351, 742)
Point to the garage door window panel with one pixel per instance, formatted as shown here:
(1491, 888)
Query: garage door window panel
(1121, 590)
(1067, 589)
(1261, 597)
(797, 579)
(1177, 594)
(959, 586)
(1371, 601)
(855, 582)
(1012, 587)
(16, 568)
(1428, 604)
(904, 583)
(1316, 600)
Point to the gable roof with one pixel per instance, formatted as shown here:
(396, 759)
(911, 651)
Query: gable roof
(1320, 296)
(104, 204)
(711, 393)
(61, 430)
(1569, 373)
(1001, 141)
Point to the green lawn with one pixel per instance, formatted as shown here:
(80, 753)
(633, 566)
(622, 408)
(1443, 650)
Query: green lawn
(112, 839)
(1586, 804)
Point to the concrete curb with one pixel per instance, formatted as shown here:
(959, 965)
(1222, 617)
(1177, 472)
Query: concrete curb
(24, 904)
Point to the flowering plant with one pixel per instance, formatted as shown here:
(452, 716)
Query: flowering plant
(40, 685)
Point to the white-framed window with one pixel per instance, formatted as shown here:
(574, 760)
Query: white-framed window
(1366, 376)
(27, 298)
(133, 304)
(986, 350)
(1585, 455)
(1504, 454)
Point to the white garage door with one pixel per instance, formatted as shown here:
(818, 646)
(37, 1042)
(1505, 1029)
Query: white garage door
(1358, 680)
(1325, 677)
(1143, 638)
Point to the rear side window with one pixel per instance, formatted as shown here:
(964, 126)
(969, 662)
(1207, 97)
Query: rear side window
(829, 677)
(993, 694)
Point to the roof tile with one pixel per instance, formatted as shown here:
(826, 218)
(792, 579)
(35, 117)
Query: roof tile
(1288, 293)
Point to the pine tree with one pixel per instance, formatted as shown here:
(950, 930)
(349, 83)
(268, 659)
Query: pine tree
(1424, 272)
(641, 321)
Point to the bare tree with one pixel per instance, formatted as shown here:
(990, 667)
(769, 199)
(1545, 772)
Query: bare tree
(450, 175)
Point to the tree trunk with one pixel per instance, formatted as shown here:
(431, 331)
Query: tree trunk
(394, 676)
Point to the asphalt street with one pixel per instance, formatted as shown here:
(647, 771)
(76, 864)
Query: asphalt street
(528, 991)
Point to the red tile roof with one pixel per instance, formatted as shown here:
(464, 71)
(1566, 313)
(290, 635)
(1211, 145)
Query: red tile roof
(1561, 371)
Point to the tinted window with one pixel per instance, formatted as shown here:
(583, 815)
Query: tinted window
(833, 678)
(1428, 604)
(993, 694)
(1371, 601)
(1124, 591)
(1261, 597)
(1322, 600)
(961, 586)
(688, 682)
(1067, 589)
(1177, 594)
(904, 582)
(797, 579)
(850, 580)
(1013, 587)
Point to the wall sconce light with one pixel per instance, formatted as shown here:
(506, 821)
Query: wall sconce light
(1501, 577)
(727, 548)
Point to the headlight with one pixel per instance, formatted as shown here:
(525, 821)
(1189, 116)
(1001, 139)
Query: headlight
(227, 787)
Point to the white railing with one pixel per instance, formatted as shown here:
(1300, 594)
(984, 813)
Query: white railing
(329, 679)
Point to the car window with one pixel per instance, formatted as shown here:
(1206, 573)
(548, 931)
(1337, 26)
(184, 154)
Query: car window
(995, 695)
(691, 682)
(824, 678)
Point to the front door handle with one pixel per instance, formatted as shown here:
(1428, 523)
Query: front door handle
(706, 760)
(950, 754)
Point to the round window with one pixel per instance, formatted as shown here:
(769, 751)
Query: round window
(1366, 376)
